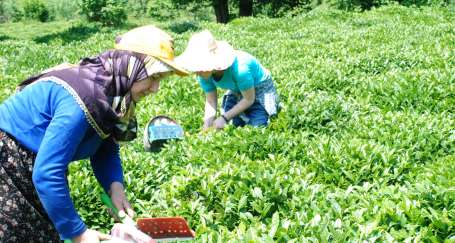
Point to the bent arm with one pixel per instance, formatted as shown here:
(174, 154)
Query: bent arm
(107, 165)
(247, 100)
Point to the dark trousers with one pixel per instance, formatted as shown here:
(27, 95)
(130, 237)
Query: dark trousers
(255, 115)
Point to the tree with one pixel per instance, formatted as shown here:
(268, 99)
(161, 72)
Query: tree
(245, 8)
(221, 8)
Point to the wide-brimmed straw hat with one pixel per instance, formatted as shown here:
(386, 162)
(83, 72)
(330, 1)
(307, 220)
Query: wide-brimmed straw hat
(204, 53)
(152, 41)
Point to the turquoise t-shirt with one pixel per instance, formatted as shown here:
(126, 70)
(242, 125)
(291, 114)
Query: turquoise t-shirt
(244, 73)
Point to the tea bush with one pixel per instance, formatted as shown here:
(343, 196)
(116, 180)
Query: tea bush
(363, 149)
(36, 9)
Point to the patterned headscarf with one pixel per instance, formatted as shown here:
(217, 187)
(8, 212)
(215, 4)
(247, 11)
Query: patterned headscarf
(102, 87)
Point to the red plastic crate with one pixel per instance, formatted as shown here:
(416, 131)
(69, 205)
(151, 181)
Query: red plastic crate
(171, 228)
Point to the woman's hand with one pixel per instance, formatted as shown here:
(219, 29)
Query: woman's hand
(90, 236)
(219, 123)
(130, 233)
(120, 201)
(208, 123)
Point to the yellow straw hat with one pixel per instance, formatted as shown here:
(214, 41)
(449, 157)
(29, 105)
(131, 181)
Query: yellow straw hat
(152, 41)
(204, 53)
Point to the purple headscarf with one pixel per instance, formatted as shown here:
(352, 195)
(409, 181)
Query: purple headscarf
(101, 86)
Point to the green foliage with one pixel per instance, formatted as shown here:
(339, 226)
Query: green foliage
(107, 12)
(36, 9)
(280, 8)
(92, 9)
(424, 2)
(12, 12)
(63, 9)
(368, 4)
(167, 10)
(363, 149)
(351, 5)
(139, 7)
(183, 26)
(162, 10)
(2, 12)
(114, 13)
(47, 10)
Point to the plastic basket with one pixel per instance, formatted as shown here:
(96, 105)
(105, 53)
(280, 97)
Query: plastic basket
(159, 130)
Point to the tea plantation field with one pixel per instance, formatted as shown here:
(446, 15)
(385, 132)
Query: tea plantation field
(363, 149)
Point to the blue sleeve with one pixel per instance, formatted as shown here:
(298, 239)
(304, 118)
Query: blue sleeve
(59, 144)
(244, 77)
(206, 85)
(106, 164)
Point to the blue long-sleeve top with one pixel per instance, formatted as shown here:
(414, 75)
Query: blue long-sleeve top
(45, 118)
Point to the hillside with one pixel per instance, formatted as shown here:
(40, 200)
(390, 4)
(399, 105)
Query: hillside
(362, 150)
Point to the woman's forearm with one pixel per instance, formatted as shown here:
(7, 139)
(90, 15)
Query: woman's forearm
(238, 108)
(248, 97)
(210, 107)
(210, 111)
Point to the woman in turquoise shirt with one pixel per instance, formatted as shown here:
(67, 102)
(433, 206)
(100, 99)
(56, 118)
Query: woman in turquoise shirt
(69, 113)
(251, 98)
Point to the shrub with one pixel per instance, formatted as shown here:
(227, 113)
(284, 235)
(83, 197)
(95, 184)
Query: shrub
(114, 13)
(63, 9)
(10, 11)
(171, 10)
(182, 26)
(280, 8)
(139, 7)
(424, 2)
(2, 12)
(368, 4)
(357, 4)
(162, 10)
(36, 9)
(108, 12)
(91, 9)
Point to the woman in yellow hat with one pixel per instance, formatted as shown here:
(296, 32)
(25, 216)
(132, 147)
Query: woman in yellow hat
(69, 113)
(251, 97)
